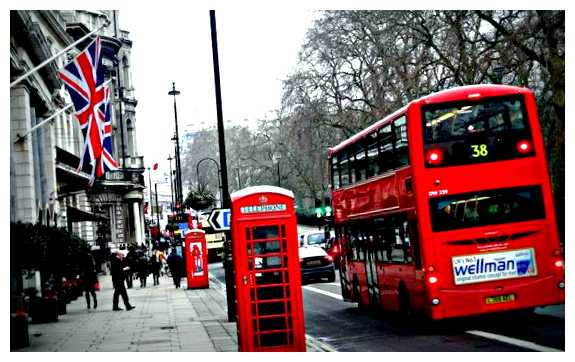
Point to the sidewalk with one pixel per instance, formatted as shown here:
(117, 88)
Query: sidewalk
(165, 319)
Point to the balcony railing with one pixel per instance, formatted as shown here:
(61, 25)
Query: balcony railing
(124, 175)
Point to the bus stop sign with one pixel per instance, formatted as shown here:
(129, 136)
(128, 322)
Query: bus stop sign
(219, 219)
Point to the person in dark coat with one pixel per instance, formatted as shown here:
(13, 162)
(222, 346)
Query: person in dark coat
(131, 259)
(118, 269)
(142, 268)
(155, 266)
(176, 265)
(90, 279)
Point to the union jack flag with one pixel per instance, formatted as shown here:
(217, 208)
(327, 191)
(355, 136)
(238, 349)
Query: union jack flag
(84, 79)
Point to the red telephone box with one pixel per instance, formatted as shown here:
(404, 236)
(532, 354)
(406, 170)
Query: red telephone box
(267, 271)
(196, 259)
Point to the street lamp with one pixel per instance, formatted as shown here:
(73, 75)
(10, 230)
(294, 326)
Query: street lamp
(219, 173)
(179, 196)
(170, 158)
(278, 157)
(150, 192)
(239, 179)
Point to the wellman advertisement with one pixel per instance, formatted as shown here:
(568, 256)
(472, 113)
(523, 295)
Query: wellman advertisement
(479, 268)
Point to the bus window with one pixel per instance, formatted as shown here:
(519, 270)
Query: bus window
(344, 169)
(372, 155)
(386, 155)
(360, 164)
(474, 132)
(414, 240)
(487, 208)
(401, 152)
(335, 181)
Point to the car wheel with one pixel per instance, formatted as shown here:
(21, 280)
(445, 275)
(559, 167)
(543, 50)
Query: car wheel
(331, 277)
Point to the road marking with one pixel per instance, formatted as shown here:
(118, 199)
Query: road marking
(320, 291)
(317, 344)
(514, 341)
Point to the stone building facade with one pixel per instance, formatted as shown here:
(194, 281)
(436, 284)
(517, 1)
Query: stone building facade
(45, 185)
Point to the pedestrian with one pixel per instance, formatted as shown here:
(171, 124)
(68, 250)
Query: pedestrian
(131, 258)
(176, 265)
(118, 277)
(155, 266)
(90, 280)
(142, 268)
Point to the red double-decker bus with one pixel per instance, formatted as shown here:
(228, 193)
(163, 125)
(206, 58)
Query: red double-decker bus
(444, 208)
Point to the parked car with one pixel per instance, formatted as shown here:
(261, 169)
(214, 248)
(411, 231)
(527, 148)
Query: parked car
(314, 238)
(315, 264)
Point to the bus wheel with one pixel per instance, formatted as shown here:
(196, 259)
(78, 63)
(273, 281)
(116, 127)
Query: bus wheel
(404, 306)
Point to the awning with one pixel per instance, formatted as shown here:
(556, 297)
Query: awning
(75, 215)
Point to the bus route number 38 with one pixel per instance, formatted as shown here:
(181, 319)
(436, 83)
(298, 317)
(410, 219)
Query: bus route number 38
(479, 150)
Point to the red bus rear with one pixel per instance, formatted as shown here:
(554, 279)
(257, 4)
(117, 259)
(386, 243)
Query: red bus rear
(445, 208)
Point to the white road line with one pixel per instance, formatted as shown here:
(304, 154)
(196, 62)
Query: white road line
(317, 344)
(319, 291)
(514, 341)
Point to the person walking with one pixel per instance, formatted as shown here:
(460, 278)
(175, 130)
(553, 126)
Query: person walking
(155, 266)
(176, 265)
(142, 268)
(131, 259)
(118, 269)
(90, 280)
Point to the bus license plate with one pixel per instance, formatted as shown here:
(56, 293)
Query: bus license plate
(500, 299)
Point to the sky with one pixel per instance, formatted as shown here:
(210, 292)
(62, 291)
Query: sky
(257, 50)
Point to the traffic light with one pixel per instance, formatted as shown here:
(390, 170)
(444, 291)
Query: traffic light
(323, 211)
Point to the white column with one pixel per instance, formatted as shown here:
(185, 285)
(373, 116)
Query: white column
(22, 185)
(137, 224)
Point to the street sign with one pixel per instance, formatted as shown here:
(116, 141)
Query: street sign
(183, 226)
(220, 219)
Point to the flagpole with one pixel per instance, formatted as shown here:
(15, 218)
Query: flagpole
(21, 137)
(41, 65)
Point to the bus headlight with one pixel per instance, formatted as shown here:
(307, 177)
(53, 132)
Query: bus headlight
(435, 301)
(561, 285)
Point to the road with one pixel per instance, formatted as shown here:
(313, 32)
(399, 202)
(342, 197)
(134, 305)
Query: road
(341, 326)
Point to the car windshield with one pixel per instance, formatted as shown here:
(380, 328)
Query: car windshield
(315, 239)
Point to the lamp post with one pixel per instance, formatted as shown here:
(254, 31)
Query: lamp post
(157, 207)
(278, 157)
(219, 174)
(150, 193)
(226, 202)
(170, 158)
(239, 179)
(179, 196)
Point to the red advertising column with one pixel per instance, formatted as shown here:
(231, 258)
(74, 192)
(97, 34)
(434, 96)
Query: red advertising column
(267, 270)
(196, 259)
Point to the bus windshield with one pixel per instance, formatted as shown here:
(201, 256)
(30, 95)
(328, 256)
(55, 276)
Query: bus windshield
(472, 132)
(486, 208)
